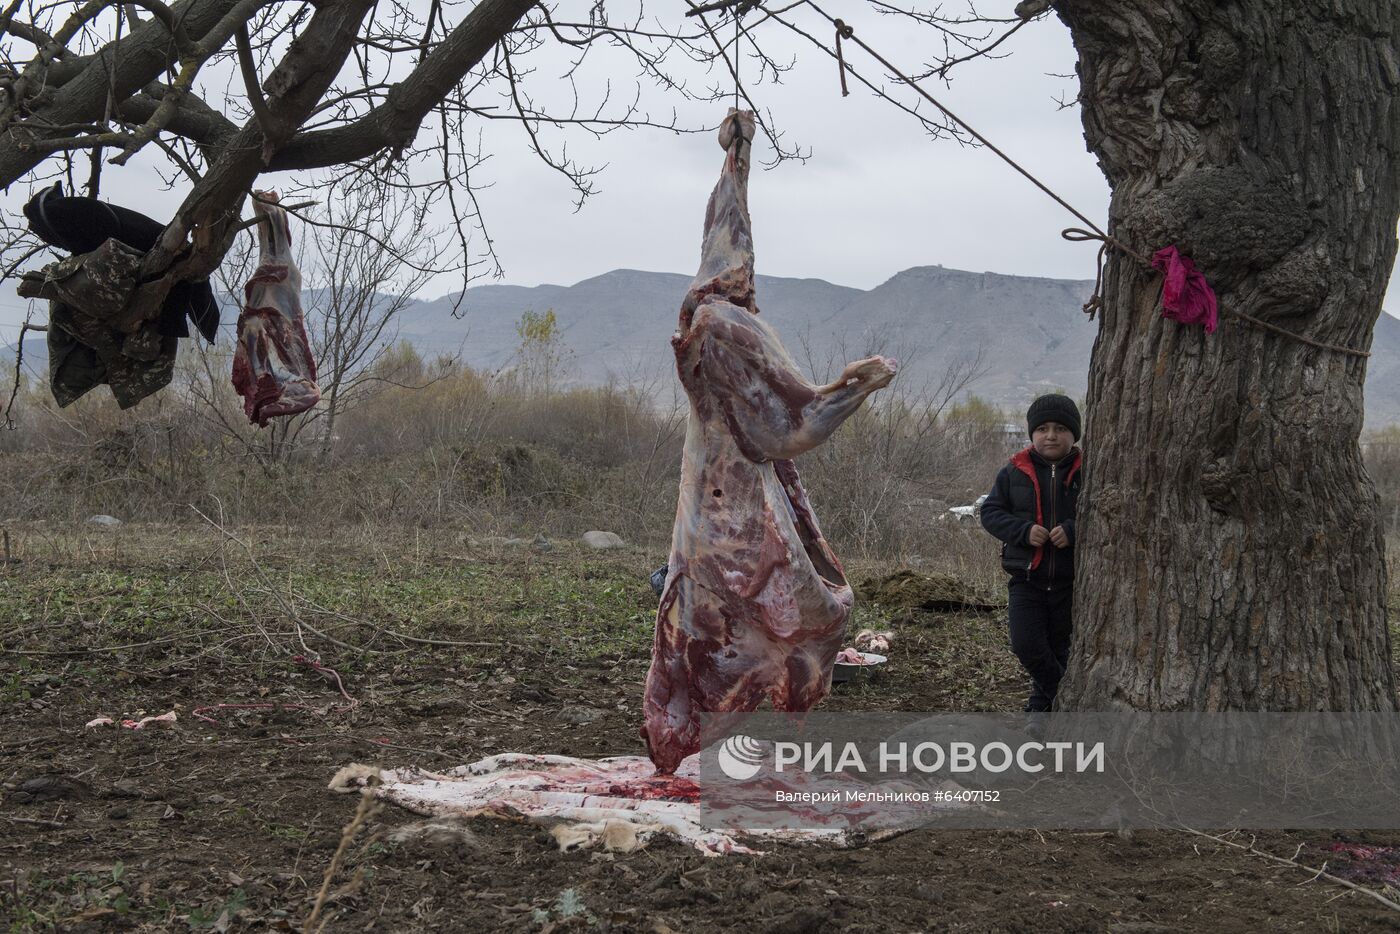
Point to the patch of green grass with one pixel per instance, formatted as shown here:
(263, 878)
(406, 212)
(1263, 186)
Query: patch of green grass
(68, 901)
(286, 832)
(599, 605)
(47, 903)
(13, 688)
(568, 904)
(82, 615)
(218, 913)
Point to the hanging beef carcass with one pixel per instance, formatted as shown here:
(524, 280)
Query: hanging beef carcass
(273, 369)
(755, 602)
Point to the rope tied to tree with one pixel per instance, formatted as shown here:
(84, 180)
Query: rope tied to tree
(1095, 302)
(1075, 234)
(842, 31)
(1079, 235)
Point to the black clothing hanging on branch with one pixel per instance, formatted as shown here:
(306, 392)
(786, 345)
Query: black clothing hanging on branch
(80, 225)
(85, 349)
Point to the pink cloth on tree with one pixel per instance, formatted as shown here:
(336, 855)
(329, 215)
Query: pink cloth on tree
(1186, 295)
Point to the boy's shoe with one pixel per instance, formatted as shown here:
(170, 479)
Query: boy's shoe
(658, 579)
(1035, 723)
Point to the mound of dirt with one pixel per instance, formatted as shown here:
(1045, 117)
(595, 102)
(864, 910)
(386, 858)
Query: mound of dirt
(934, 593)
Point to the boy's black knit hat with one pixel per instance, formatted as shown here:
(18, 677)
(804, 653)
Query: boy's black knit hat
(1053, 408)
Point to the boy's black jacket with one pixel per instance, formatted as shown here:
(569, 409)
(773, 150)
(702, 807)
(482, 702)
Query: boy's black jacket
(1028, 491)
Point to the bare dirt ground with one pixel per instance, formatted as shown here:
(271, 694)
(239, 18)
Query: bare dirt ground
(230, 827)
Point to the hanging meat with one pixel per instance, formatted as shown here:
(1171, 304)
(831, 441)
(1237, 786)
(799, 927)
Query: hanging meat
(273, 369)
(755, 602)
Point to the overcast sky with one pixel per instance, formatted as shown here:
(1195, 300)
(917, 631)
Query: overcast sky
(876, 197)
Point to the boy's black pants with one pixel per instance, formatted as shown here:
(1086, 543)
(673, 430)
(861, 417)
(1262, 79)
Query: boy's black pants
(1039, 619)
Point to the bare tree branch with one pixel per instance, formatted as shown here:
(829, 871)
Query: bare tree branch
(350, 86)
(394, 124)
(250, 79)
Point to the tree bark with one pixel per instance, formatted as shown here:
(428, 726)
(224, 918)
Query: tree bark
(1230, 551)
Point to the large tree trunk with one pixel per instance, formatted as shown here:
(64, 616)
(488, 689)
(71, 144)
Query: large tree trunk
(1231, 553)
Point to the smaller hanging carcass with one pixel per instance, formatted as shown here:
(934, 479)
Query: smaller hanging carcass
(273, 369)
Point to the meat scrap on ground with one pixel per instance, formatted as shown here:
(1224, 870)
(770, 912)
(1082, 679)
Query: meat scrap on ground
(273, 369)
(868, 640)
(755, 602)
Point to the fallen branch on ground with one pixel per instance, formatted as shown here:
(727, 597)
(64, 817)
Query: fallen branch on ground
(1297, 865)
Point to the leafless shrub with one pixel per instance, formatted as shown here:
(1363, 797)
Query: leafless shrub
(436, 444)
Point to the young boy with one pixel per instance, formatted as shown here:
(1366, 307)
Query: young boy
(1031, 509)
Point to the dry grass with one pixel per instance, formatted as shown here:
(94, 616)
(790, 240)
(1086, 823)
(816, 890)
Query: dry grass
(492, 457)
(464, 451)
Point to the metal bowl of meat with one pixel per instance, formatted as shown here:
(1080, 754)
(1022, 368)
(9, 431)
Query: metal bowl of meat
(852, 664)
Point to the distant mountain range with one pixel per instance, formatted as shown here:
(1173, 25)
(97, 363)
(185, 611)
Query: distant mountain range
(1029, 334)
